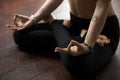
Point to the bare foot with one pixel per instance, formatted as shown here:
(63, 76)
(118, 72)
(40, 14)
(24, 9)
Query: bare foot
(101, 39)
(83, 32)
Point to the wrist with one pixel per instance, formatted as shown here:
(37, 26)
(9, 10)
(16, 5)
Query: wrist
(89, 47)
(34, 20)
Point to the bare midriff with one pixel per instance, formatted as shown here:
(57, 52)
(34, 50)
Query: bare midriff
(86, 8)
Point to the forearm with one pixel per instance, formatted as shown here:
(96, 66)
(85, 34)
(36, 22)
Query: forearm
(48, 7)
(97, 22)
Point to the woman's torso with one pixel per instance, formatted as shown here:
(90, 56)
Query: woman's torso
(85, 8)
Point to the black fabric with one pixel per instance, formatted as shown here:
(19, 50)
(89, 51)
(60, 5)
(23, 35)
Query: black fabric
(45, 37)
(84, 65)
(111, 28)
(38, 37)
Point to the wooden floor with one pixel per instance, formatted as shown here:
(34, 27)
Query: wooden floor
(19, 65)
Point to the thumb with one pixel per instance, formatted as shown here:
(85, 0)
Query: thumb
(63, 50)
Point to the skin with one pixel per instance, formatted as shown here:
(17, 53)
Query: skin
(98, 10)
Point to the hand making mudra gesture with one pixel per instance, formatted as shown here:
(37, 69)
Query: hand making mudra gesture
(21, 22)
(74, 48)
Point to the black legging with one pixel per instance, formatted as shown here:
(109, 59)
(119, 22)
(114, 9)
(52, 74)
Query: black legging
(38, 37)
(41, 37)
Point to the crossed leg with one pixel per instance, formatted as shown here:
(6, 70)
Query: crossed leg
(101, 39)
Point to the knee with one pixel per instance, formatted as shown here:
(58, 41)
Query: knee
(74, 67)
(17, 37)
(69, 66)
(74, 70)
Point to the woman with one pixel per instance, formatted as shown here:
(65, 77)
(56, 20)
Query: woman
(86, 42)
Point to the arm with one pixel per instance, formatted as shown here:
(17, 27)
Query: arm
(44, 12)
(96, 25)
(46, 9)
(97, 21)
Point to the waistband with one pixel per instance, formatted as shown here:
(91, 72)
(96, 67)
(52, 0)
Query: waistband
(75, 21)
(76, 18)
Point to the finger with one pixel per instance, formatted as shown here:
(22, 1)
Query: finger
(69, 45)
(25, 25)
(9, 26)
(74, 49)
(19, 23)
(20, 28)
(58, 49)
(21, 16)
(75, 43)
(15, 20)
(12, 27)
(72, 42)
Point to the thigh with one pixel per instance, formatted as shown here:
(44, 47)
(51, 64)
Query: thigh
(83, 64)
(37, 36)
(62, 34)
